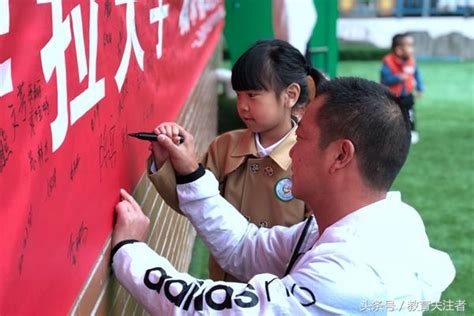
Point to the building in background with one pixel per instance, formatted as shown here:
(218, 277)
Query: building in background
(443, 29)
(404, 8)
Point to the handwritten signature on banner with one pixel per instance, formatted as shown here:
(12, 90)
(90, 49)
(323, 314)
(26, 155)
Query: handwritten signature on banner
(70, 28)
(76, 76)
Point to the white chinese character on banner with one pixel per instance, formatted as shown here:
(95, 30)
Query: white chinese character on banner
(4, 17)
(96, 89)
(158, 14)
(6, 84)
(53, 58)
(192, 10)
(132, 41)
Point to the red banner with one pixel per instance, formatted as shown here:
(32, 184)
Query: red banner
(75, 78)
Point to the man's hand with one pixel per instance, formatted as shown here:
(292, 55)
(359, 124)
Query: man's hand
(182, 156)
(130, 223)
(160, 154)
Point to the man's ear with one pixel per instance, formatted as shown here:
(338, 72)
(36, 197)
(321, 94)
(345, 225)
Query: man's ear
(292, 94)
(344, 152)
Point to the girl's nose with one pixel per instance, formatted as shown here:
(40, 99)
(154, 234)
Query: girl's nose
(242, 105)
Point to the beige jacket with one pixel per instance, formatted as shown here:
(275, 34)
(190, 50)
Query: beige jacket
(259, 187)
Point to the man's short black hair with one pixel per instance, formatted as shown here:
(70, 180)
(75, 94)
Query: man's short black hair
(370, 116)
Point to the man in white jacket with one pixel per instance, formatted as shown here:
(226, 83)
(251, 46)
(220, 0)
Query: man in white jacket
(367, 252)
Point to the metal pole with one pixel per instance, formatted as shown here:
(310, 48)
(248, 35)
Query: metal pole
(399, 8)
(426, 8)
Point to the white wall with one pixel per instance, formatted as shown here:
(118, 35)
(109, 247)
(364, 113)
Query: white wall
(379, 31)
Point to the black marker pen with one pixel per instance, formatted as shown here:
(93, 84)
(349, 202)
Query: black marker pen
(151, 136)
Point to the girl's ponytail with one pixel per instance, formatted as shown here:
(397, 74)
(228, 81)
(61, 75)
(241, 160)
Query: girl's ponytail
(314, 78)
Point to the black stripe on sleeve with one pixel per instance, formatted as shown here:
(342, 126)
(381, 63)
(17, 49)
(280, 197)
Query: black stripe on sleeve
(118, 245)
(199, 172)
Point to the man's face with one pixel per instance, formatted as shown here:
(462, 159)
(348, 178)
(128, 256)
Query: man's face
(307, 158)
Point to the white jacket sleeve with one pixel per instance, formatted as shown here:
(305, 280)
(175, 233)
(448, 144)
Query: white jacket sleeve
(240, 247)
(320, 284)
(162, 290)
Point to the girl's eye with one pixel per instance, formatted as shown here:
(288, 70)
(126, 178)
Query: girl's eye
(252, 94)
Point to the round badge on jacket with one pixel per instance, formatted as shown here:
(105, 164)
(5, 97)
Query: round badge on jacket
(283, 189)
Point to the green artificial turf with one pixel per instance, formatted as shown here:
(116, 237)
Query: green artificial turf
(438, 177)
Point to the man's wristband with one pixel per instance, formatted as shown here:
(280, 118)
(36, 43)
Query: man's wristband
(118, 246)
(199, 172)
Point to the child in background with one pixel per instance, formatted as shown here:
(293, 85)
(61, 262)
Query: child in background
(401, 75)
(273, 81)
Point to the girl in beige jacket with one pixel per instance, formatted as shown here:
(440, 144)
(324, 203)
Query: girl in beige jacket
(272, 81)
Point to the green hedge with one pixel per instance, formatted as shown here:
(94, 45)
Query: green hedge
(362, 53)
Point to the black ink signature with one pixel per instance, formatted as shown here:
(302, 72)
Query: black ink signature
(108, 8)
(74, 167)
(107, 150)
(95, 120)
(26, 238)
(123, 96)
(42, 152)
(107, 38)
(14, 119)
(51, 183)
(40, 157)
(124, 135)
(34, 91)
(140, 79)
(33, 161)
(5, 150)
(76, 241)
(148, 112)
(120, 40)
(36, 115)
(21, 98)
